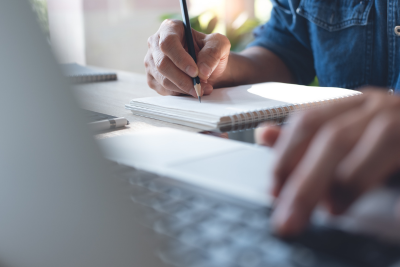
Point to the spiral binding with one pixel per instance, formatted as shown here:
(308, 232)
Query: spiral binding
(89, 78)
(276, 114)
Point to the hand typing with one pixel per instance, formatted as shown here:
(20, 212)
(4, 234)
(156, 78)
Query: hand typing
(332, 155)
(169, 67)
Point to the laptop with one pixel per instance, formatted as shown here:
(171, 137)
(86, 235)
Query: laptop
(63, 204)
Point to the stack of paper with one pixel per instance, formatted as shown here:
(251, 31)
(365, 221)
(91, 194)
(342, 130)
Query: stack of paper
(236, 108)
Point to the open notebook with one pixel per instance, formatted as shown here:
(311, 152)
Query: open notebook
(237, 108)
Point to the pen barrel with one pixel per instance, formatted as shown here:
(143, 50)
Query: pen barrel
(104, 125)
(188, 30)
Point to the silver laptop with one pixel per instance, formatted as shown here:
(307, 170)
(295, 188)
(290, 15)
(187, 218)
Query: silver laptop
(63, 204)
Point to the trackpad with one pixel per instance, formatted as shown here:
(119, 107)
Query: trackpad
(244, 173)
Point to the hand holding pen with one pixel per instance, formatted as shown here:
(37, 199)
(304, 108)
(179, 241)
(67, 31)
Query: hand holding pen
(170, 68)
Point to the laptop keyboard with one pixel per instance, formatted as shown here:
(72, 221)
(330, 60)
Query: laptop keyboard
(203, 229)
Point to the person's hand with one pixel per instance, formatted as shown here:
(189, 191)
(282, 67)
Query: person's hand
(266, 134)
(169, 67)
(332, 156)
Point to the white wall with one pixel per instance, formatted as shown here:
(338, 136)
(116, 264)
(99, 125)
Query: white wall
(67, 34)
(117, 31)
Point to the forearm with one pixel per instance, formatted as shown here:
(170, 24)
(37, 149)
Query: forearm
(254, 65)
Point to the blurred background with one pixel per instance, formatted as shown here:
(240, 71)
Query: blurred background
(113, 33)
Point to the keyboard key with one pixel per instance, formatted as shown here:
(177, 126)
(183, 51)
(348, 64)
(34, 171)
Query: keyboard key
(198, 202)
(155, 185)
(257, 219)
(303, 257)
(169, 225)
(142, 178)
(181, 255)
(183, 212)
(229, 212)
(245, 236)
(205, 232)
(274, 250)
(148, 216)
(137, 191)
(221, 253)
(176, 193)
(212, 226)
(190, 236)
(153, 200)
(186, 213)
(252, 257)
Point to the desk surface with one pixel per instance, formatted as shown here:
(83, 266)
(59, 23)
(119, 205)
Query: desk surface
(110, 98)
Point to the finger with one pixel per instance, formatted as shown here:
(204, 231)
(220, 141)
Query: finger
(313, 177)
(167, 83)
(172, 74)
(153, 84)
(165, 71)
(294, 140)
(371, 161)
(267, 134)
(215, 50)
(157, 84)
(171, 44)
(165, 92)
(207, 88)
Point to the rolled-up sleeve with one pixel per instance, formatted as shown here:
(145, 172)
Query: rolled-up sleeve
(286, 35)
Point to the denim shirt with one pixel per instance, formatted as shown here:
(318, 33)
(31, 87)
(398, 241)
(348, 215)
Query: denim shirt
(345, 43)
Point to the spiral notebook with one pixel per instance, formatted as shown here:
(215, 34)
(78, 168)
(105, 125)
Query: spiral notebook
(237, 108)
(81, 74)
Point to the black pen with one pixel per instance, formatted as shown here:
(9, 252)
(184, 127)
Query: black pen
(190, 44)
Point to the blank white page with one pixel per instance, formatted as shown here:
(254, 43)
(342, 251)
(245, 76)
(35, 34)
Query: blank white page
(244, 98)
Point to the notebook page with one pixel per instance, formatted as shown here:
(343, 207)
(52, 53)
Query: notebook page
(243, 99)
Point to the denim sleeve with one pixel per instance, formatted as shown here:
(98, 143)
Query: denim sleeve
(286, 35)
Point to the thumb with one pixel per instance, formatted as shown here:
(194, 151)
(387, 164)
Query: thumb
(216, 49)
(267, 134)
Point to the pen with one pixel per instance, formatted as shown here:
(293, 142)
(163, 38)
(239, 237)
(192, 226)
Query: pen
(100, 126)
(190, 44)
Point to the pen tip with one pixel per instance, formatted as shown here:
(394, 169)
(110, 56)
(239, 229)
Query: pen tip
(200, 99)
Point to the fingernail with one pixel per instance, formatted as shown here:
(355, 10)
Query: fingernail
(287, 221)
(205, 70)
(191, 71)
